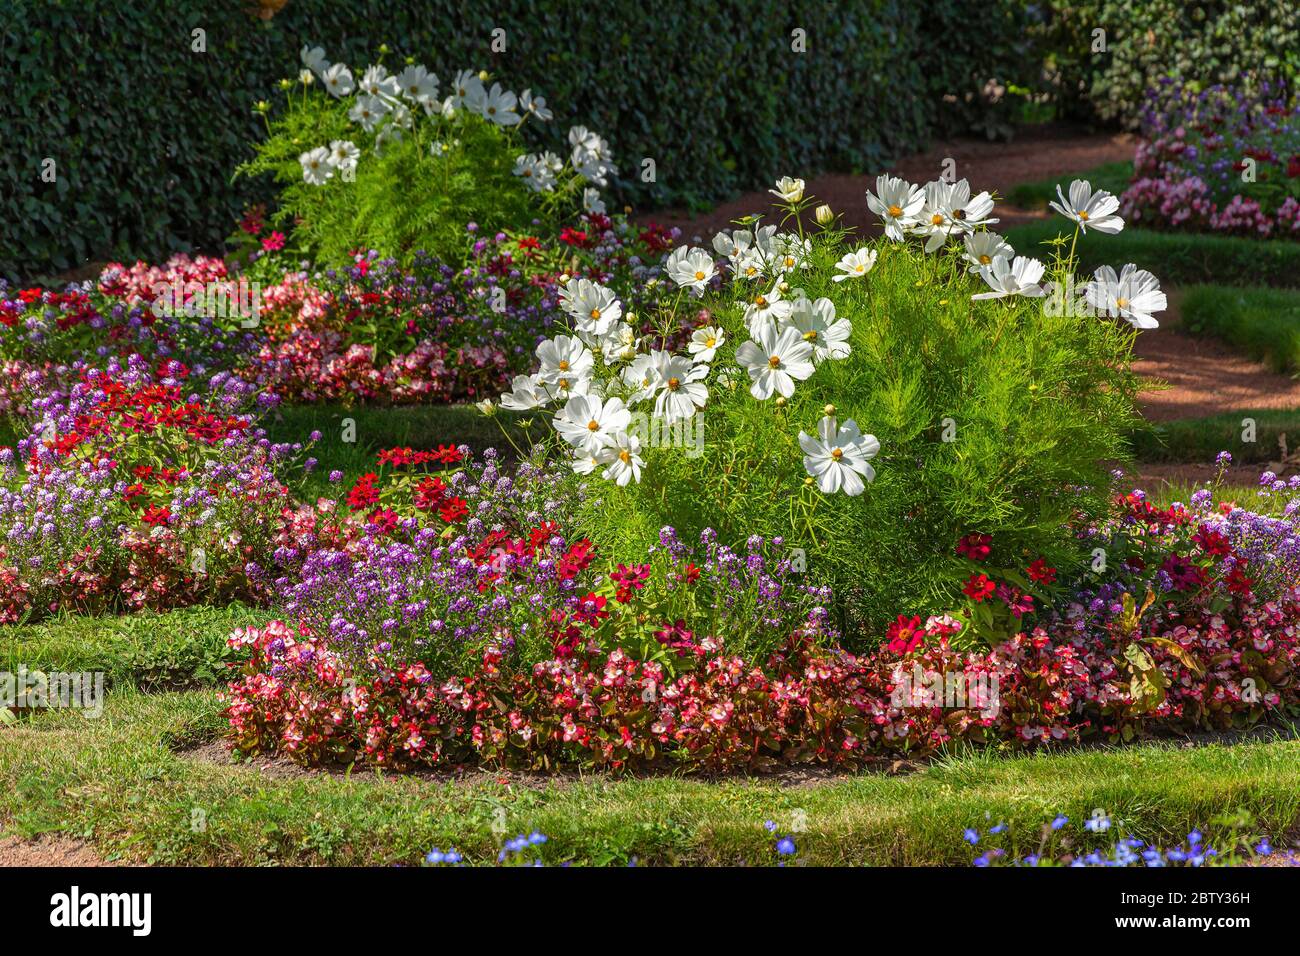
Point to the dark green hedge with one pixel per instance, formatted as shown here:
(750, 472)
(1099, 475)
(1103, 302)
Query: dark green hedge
(145, 132)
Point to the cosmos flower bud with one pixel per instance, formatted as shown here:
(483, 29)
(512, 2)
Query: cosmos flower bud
(823, 215)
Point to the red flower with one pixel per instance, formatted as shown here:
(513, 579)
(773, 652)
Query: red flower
(591, 610)
(975, 547)
(383, 519)
(364, 493)
(573, 237)
(1212, 542)
(274, 242)
(453, 510)
(978, 587)
(1238, 583)
(429, 494)
(692, 573)
(396, 457)
(446, 455)
(1293, 167)
(1040, 572)
(576, 560)
(629, 580)
(905, 635)
(155, 516)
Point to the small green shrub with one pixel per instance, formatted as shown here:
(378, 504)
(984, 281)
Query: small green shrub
(367, 164)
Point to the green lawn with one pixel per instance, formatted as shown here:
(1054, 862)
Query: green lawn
(127, 783)
(1198, 440)
(1262, 323)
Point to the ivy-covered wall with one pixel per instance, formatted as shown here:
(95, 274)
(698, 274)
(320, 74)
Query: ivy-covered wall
(144, 132)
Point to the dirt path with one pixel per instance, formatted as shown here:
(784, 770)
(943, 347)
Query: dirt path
(47, 850)
(1205, 376)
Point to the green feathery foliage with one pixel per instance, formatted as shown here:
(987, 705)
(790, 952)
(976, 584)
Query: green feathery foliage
(994, 417)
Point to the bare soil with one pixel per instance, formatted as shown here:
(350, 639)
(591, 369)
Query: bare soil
(48, 850)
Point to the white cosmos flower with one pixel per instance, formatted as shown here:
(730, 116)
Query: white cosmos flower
(589, 424)
(1132, 295)
(535, 173)
(551, 161)
(496, 104)
(306, 77)
(317, 166)
(856, 264)
(368, 110)
(791, 190)
(338, 80)
(592, 203)
(750, 264)
(818, 326)
(565, 362)
(732, 244)
(897, 202)
(980, 248)
(344, 154)
(837, 456)
(690, 268)
(313, 58)
(378, 83)
(418, 85)
(590, 155)
(466, 87)
(526, 392)
(787, 252)
(1019, 277)
(680, 388)
(950, 210)
(1090, 210)
(705, 343)
(536, 105)
(593, 307)
(585, 464)
(775, 360)
(622, 459)
(619, 345)
(641, 375)
(766, 308)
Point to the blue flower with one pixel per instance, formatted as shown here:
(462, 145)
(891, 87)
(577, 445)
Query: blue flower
(1264, 848)
(971, 836)
(1060, 821)
(769, 826)
(785, 846)
(536, 838)
(999, 828)
(434, 856)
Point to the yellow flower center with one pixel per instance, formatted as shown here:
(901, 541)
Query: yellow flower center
(774, 361)
(593, 425)
(625, 457)
(563, 383)
(837, 453)
(674, 384)
(564, 365)
(985, 260)
(858, 268)
(810, 335)
(1122, 302)
(789, 261)
(1084, 215)
(895, 211)
(699, 275)
(761, 302)
(710, 342)
(595, 313)
(936, 219)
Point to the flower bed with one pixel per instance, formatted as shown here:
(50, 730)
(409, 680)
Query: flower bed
(1218, 160)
